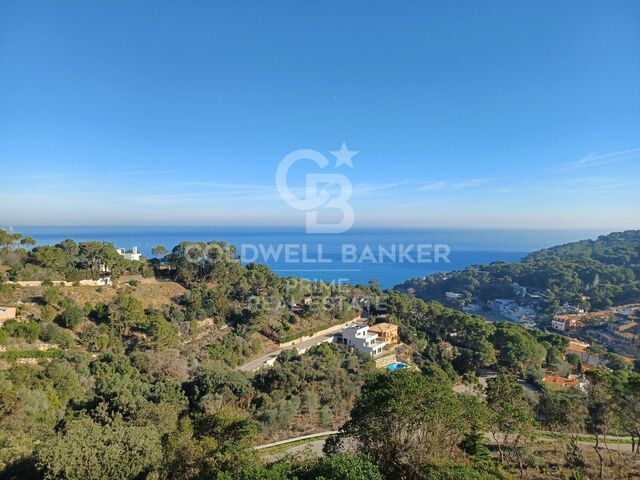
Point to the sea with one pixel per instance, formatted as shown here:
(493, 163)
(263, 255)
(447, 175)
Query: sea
(388, 255)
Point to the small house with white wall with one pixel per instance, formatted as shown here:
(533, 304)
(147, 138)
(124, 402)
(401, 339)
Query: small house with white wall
(132, 255)
(453, 296)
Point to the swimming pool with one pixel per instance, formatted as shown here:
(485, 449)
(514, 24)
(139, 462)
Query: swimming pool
(392, 367)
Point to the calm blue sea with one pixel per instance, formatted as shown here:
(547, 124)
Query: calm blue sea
(466, 247)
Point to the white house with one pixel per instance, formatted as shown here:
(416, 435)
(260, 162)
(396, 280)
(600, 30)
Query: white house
(132, 255)
(453, 296)
(472, 308)
(512, 310)
(570, 309)
(358, 337)
(560, 324)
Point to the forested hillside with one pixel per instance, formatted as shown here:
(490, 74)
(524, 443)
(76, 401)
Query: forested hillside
(140, 380)
(592, 274)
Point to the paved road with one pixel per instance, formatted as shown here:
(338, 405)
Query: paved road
(317, 445)
(302, 346)
(314, 446)
(270, 357)
(296, 439)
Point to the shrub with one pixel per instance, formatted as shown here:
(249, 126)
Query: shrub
(54, 334)
(27, 330)
(72, 317)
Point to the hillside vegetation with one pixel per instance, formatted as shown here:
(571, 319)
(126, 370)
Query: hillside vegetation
(593, 274)
(140, 380)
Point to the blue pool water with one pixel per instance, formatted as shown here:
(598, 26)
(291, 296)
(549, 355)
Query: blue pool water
(392, 367)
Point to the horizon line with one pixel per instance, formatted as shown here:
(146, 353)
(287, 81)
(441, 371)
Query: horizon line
(302, 228)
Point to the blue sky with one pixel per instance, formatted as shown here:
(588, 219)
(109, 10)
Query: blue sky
(464, 114)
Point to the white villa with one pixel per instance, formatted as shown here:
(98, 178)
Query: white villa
(453, 296)
(513, 311)
(132, 255)
(560, 324)
(358, 337)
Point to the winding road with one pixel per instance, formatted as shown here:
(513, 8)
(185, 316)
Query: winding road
(315, 446)
(270, 358)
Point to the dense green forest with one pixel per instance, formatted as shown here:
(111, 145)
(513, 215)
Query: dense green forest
(142, 379)
(592, 274)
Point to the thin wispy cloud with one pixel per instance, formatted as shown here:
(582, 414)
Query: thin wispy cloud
(226, 186)
(84, 177)
(362, 189)
(596, 159)
(443, 185)
(605, 186)
(358, 189)
(46, 176)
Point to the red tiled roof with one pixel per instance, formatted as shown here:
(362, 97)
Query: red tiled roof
(561, 381)
(576, 348)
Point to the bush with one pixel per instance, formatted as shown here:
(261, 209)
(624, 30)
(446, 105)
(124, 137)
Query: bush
(27, 330)
(7, 290)
(52, 333)
(342, 467)
(72, 317)
(75, 275)
(12, 355)
(86, 449)
(48, 313)
(457, 472)
(52, 296)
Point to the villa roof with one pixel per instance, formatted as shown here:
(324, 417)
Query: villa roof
(628, 335)
(627, 326)
(561, 381)
(383, 327)
(577, 348)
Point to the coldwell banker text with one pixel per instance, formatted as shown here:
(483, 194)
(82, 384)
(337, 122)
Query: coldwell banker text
(348, 253)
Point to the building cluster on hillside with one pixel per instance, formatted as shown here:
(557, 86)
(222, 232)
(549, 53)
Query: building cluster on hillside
(616, 327)
(521, 310)
(620, 333)
(587, 357)
(472, 308)
(565, 322)
(512, 310)
(569, 309)
(625, 331)
(627, 311)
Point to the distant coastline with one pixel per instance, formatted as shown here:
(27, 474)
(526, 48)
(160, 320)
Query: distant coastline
(468, 246)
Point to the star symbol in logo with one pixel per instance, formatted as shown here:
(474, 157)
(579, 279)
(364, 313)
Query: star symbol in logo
(344, 156)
